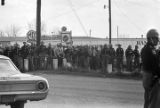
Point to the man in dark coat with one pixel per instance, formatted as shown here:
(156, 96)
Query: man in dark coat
(150, 64)
(105, 58)
(136, 58)
(16, 50)
(24, 53)
(119, 58)
(129, 57)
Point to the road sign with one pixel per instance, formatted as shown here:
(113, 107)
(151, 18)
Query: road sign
(64, 28)
(66, 37)
(31, 35)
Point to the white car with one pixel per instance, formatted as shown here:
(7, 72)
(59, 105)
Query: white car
(17, 88)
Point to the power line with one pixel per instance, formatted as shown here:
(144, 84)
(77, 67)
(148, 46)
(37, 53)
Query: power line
(86, 5)
(78, 18)
(138, 28)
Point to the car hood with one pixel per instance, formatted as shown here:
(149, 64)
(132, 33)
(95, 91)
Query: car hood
(18, 76)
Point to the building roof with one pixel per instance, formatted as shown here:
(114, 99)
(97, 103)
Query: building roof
(13, 39)
(10, 39)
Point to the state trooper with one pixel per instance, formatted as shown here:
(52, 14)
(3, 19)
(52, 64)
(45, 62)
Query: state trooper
(151, 68)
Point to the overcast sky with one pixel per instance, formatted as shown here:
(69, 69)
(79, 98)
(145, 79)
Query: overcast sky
(132, 17)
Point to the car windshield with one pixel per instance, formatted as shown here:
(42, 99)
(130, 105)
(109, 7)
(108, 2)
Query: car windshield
(7, 65)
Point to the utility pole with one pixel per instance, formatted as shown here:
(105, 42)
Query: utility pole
(117, 32)
(2, 2)
(38, 22)
(110, 27)
(90, 32)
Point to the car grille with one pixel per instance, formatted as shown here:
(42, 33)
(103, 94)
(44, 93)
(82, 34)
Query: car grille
(17, 86)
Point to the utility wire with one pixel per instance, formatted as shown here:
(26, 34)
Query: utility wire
(137, 27)
(86, 5)
(78, 18)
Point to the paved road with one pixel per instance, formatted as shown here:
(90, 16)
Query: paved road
(67, 91)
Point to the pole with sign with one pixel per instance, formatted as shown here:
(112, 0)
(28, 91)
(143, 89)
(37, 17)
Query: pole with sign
(31, 36)
(66, 36)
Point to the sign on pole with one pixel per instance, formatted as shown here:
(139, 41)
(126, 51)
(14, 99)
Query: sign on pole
(66, 37)
(31, 36)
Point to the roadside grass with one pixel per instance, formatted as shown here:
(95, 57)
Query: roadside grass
(91, 73)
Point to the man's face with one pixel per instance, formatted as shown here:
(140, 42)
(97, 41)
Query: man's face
(155, 41)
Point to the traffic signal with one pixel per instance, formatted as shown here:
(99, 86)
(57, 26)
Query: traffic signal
(2, 2)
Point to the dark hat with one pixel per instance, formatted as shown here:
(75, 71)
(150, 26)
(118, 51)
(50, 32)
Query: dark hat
(118, 44)
(24, 42)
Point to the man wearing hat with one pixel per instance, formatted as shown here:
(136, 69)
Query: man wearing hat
(150, 64)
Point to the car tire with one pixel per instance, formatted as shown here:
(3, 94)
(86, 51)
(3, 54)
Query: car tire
(19, 104)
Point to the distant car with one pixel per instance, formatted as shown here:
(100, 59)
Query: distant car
(17, 88)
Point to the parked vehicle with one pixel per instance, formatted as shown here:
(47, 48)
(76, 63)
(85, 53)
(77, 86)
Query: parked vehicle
(17, 88)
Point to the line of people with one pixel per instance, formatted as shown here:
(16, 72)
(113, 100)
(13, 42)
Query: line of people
(88, 57)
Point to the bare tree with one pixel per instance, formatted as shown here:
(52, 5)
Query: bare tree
(32, 26)
(2, 34)
(12, 31)
(55, 30)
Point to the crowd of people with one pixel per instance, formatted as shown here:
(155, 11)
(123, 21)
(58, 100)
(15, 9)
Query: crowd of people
(87, 57)
(96, 58)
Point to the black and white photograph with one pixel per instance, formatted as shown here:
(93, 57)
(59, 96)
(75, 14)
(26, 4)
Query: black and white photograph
(79, 54)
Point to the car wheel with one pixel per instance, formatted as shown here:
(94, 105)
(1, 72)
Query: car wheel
(19, 104)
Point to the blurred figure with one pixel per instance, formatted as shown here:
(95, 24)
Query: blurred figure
(105, 58)
(93, 59)
(50, 53)
(24, 53)
(16, 54)
(32, 55)
(129, 58)
(119, 57)
(151, 70)
(136, 58)
(1, 50)
(59, 54)
(42, 53)
(112, 53)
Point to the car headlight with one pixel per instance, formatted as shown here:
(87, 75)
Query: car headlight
(41, 86)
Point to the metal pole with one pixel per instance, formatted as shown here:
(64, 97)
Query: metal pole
(90, 32)
(110, 28)
(2, 2)
(117, 34)
(38, 22)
